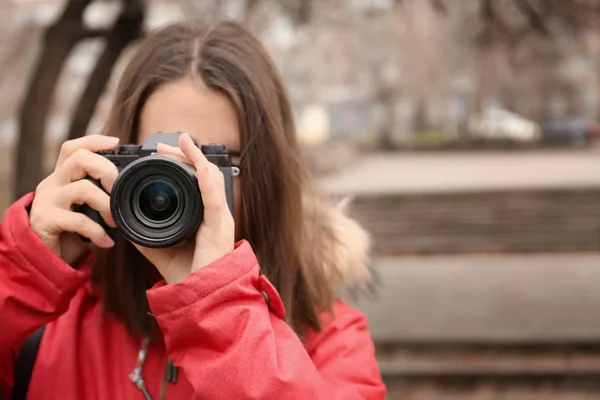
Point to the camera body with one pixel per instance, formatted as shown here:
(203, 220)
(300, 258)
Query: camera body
(155, 200)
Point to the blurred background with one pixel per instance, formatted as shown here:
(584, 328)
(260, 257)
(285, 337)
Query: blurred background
(465, 131)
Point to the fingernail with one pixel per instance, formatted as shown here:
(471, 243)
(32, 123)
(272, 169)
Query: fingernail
(115, 140)
(109, 241)
(164, 148)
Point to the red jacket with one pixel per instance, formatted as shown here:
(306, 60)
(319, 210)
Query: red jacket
(219, 331)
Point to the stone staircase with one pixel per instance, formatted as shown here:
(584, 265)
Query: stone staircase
(510, 326)
(488, 221)
(486, 294)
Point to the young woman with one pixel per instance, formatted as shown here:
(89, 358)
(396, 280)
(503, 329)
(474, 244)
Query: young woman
(245, 310)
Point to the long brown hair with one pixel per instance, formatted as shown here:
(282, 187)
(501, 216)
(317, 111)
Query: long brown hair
(274, 179)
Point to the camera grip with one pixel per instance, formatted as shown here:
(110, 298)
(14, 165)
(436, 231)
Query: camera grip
(95, 215)
(228, 186)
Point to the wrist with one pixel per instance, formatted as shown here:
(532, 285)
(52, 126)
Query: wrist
(176, 276)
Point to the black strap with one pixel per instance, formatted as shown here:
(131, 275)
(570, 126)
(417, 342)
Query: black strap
(25, 362)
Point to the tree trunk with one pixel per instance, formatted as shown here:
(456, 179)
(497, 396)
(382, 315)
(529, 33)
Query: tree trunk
(420, 123)
(509, 99)
(574, 101)
(58, 41)
(386, 131)
(482, 82)
(127, 28)
(598, 87)
(249, 9)
(597, 68)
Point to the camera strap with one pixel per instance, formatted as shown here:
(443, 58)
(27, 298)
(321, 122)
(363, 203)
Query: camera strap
(25, 363)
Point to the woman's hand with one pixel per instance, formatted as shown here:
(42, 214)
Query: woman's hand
(216, 234)
(52, 217)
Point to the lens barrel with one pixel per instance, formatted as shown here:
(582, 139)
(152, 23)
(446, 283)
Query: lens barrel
(156, 202)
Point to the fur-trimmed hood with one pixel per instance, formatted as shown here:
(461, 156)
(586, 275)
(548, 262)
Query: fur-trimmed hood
(341, 244)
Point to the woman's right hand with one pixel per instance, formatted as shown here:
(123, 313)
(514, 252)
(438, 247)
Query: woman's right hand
(52, 217)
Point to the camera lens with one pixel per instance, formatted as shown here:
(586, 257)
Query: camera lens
(158, 201)
(155, 201)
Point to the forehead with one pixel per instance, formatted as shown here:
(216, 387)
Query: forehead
(189, 106)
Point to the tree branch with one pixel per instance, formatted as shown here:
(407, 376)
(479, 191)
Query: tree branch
(91, 33)
(535, 20)
(439, 6)
(58, 42)
(126, 29)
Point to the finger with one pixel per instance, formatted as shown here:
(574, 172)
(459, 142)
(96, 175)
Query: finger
(173, 152)
(210, 179)
(85, 163)
(93, 143)
(190, 150)
(169, 150)
(70, 221)
(85, 192)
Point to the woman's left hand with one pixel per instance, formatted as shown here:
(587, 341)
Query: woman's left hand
(216, 235)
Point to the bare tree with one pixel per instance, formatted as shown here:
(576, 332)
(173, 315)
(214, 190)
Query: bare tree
(513, 20)
(58, 42)
(531, 42)
(14, 66)
(127, 28)
(9, 48)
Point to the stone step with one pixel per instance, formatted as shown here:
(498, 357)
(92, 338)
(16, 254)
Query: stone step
(486, 298)
(448, 370)
(453, 172)
(491, 391)
(495, 221)
(421, 359)
(487, 326)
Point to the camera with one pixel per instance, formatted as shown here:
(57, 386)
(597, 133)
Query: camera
(155, 200)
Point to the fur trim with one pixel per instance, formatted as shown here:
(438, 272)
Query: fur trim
(341, 245)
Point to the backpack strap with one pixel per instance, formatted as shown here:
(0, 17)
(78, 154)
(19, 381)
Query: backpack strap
(25, 363)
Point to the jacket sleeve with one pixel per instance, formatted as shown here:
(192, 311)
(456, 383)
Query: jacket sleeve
(35, 285)
(230, 344)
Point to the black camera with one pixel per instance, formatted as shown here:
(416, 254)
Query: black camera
(155, 200)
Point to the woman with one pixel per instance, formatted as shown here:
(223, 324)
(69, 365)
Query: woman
(202, 320)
